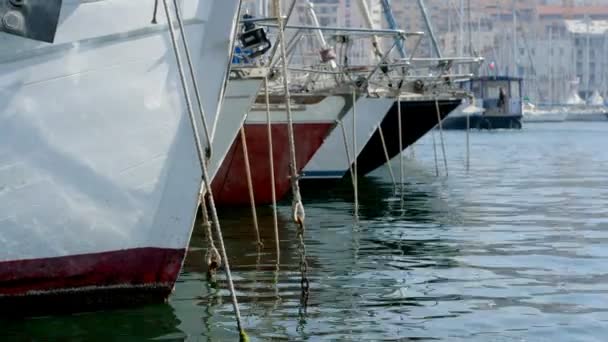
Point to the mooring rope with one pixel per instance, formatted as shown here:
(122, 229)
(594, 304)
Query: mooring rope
(413, 151)
(348, 155)
(213, 258)
(194, 81)
(445, 159)
(386, 156)
(254, 212)
(399, 123)
(355, 171)
(203, 165)
(298, 207)
(468, 161)
(435, 153)
(275, 219)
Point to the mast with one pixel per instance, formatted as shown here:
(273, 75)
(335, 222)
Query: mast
(429, 27)
(392, 24)
(586, 75)
(514, 72)
(318, 33)
(470, 28)
(364, 9)
(460, 33)
(551, 61)
(604, 68)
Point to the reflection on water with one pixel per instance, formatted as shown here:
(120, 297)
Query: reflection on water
(515, 249)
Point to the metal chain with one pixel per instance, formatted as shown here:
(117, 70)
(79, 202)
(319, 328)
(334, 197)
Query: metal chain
(212, 256)
(298, 207)
(205, 174)
(304, 282)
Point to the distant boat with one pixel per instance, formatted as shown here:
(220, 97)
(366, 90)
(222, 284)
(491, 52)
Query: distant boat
(494, 111)
(596, 99)
(578, 110)
(533, 113)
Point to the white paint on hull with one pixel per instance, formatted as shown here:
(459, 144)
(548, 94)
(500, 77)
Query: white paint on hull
(240, 95)
(327, 110)
(96, 150)
(331, 161)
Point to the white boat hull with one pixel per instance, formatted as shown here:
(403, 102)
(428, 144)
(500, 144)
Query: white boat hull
(594, 116)
(99, 175)
(545, 117)
(331, 161)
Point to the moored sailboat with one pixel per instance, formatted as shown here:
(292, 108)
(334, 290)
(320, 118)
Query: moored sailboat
(99, 175)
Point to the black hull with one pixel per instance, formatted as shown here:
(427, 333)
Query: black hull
(482, 122)
(417, 118)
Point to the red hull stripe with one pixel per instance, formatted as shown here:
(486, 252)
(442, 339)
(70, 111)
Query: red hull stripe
(230, 183)
(132, 267)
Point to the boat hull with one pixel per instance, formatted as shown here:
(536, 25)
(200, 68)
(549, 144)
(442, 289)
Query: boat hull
(230, 186)
(549, 117)
(99, 174)
(418, 117)
(587, 117)
(478, 121)
(312, 124)
(331, 161)
(240, 96)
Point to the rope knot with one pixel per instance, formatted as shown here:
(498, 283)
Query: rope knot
(214, 260)
(298, 213)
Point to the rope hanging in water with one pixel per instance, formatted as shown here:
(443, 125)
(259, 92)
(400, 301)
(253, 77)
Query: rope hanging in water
(201, 156)
(250, 187)
(399, 123)
(388, 159)
(275, 219)
(348, 155)
(445, 160)
(435, 153)
(213, 258)
(298, 207)
(468, 162)
(355, 171)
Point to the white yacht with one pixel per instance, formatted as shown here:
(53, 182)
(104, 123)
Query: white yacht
(99, 173)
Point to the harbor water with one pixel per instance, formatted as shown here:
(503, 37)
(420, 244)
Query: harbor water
(515, 249)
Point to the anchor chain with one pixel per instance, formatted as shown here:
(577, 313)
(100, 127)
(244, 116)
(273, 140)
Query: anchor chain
(212, 256)
(298, 207)
(304, 282)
